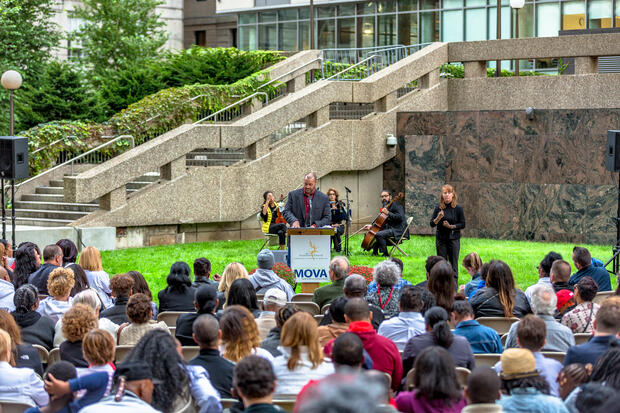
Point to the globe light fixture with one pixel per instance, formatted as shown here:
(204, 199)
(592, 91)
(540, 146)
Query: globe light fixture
(11, 80)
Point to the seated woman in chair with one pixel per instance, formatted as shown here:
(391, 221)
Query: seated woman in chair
(338, 215)
(273, 222)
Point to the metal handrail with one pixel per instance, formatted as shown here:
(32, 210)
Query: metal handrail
(232, 105)
(357, 64)
(53, 143)
(289, 72)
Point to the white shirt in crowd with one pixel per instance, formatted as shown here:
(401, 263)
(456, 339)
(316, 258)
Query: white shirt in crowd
(21, 385)
(291, 382)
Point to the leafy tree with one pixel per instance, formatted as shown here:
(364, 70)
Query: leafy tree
(117, 32)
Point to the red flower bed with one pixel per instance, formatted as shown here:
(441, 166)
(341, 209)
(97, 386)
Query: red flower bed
(362, 270)
(283, 271)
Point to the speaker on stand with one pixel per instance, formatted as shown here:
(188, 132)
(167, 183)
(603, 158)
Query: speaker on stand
(13, 165)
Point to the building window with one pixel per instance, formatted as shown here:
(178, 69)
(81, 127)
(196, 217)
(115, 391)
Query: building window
(573, 15)
(599, 14)
(200, 38)
(547, 19)
(247, 38)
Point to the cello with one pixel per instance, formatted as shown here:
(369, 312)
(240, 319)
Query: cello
(377, 225)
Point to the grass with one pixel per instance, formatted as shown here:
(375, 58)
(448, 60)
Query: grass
(522, 256)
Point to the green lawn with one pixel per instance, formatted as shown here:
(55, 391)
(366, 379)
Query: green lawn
(522, 256)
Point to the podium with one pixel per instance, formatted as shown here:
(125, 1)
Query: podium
(309, 255)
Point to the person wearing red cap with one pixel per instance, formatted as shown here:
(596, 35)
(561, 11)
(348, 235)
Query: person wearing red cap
(580, 319)
(566, 302)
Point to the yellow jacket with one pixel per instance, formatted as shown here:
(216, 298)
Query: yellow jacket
(267, 223)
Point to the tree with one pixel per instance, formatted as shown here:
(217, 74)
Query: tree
(118, 32)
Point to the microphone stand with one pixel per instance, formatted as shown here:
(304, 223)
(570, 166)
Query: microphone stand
(346, 238)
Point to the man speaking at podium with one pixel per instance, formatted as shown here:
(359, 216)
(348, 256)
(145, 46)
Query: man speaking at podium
(307, 206)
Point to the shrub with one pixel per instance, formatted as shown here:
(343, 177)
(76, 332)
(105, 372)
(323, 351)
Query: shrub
(364, 271)
(283, 271)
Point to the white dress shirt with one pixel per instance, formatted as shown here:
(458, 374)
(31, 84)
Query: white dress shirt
(401, 328)
(21, 385)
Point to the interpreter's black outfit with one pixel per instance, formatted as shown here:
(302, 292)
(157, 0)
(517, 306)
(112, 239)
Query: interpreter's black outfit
(274, 228)
(448, 241)
(395, 225)
(338, 215)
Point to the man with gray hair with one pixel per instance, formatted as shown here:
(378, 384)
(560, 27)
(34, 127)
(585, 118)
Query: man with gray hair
(355, 287)
(338, 271)
(307, 206)
(544, 302)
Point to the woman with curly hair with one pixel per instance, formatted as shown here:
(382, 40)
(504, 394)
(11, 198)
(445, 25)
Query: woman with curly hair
(140, 314)
(122, 286)
(302, 359)
(35, 328)
(240, 335)
(232, 272)
(27, 261)
(161, 352)
(386, 274)
(22, 355)
(76, 323)
(179, 294)
(141, 286)
(90, 261)
(59, 284)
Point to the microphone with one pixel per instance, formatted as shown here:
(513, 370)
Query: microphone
(347, 189)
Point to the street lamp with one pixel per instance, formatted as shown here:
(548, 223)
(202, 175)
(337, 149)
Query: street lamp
(10, 80)
(517, 4)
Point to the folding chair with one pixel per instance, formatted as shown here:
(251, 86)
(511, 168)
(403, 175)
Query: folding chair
(269, 239)
(395, 245)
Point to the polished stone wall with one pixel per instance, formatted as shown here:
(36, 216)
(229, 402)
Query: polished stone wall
(540, 179)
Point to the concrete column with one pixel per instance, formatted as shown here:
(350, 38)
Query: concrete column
(114, 199)
(296, 84)
(475, 69)
(586, 65)
(257, 149)
(386, 103)
(318, 118)
(429, 80)
(252, 106)
(173, 170)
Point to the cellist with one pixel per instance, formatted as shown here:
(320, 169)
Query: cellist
(273, 221)
(395, 224)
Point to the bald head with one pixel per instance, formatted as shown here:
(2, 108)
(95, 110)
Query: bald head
(206, 331)
(354, 286)
(357, 309)
(339, 268)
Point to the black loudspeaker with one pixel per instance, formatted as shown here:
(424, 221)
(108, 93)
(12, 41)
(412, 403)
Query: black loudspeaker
(13, 157)
(612, 154)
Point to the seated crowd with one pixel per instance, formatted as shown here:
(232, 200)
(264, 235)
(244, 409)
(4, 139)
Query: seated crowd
(383, 347)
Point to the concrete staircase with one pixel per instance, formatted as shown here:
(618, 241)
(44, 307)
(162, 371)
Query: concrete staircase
(215, 157)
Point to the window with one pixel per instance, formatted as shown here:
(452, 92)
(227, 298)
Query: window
(247, 37)
(475, 24)
(326, 32)
(452, 26)
(599, 14)
(200, 38)
(387, 30)
(267, 37)
(407, 5)
(526, 22)
(247, 18)
(366, 31)
(287, 36)
(429, 27)
(573, 15)
(287, 14)
(346, 33)
(408, 29)
(547, 19)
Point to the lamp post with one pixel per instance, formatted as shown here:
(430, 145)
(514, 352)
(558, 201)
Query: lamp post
(311, 24)
(517, 4)
(10, 80)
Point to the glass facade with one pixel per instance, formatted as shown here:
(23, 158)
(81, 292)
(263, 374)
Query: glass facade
(353, 24)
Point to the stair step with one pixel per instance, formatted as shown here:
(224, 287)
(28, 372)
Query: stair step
(42, 222)
(48, 190)
(149, 177)
(48, 214)
(213, 156)
(193, 162)
(137, 184)
(47, 198)
(56, 206)
(57, 183)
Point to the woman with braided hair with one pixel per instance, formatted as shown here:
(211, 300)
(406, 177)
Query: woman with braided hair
(35, 328)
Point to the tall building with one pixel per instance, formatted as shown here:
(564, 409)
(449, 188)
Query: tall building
(202, 26)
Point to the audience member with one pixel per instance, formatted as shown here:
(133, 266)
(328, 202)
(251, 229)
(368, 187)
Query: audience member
(428, 300)
(207, 335)
(572, 376)
(559, 275)
(592, 397)
(90, 298)
(544, 273)
(255, 382)
(241, 292)
(140, 314)
(565, 303)
(205, 302)
(7, 291)
(499, 298)
(482, 339)
(52, 257)
(7, 255)
(22, 355)
(140, 286)
(472, 264)
(81, 280)
(99, 348)
(544, 301)
(438, 334)
(437, 388)
(90, 260)
(483, 391)
(121, 285)
(409, 322)
(76, 323)
(202, 272)
(27, 261)
(4, 260)
(232, 272)
(338, 271)
(355, 287)
(583, 262)
(133, 391)
(272, 341)
(372, 286)
(18, 385)
(338, 326)
(273, 300)
(35, 328)
(179, 294)
(441, 284)
(386, 275)
(69, 255)
(581, 318)
(264, 278)
(59, 284)
(382, 351)
(531, 333)
(240, 335)
(302, 357)
(430, 263)
(606, 330)
(526, 390)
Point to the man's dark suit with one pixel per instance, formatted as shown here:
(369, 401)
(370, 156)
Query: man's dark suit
(589, 352)
(395, 225)
(320, 213)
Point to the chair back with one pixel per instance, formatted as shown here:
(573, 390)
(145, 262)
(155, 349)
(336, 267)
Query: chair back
(259, 297)
(556, 355)
(189, 352)
(308, 307)
(601, 296)
(409, 380)
(43, 354)
(462, 374)
(302, 297)
(122, 351)
(12, 407)
(499, 324)
(504, 339)
(53, 356)
(285, 401)
(170, 317)
(228, 403)
(325, 308)
(188, 408)
(581, 338)
(319, 318)
(488, 359)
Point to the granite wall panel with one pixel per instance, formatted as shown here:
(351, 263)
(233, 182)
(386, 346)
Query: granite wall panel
(540, 179)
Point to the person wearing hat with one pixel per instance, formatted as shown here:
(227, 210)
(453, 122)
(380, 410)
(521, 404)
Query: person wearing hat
(205, 302)
(132, 391)
(264, 278)
(273, 300)
(525, 390)
(566, 302)
(580, 318)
